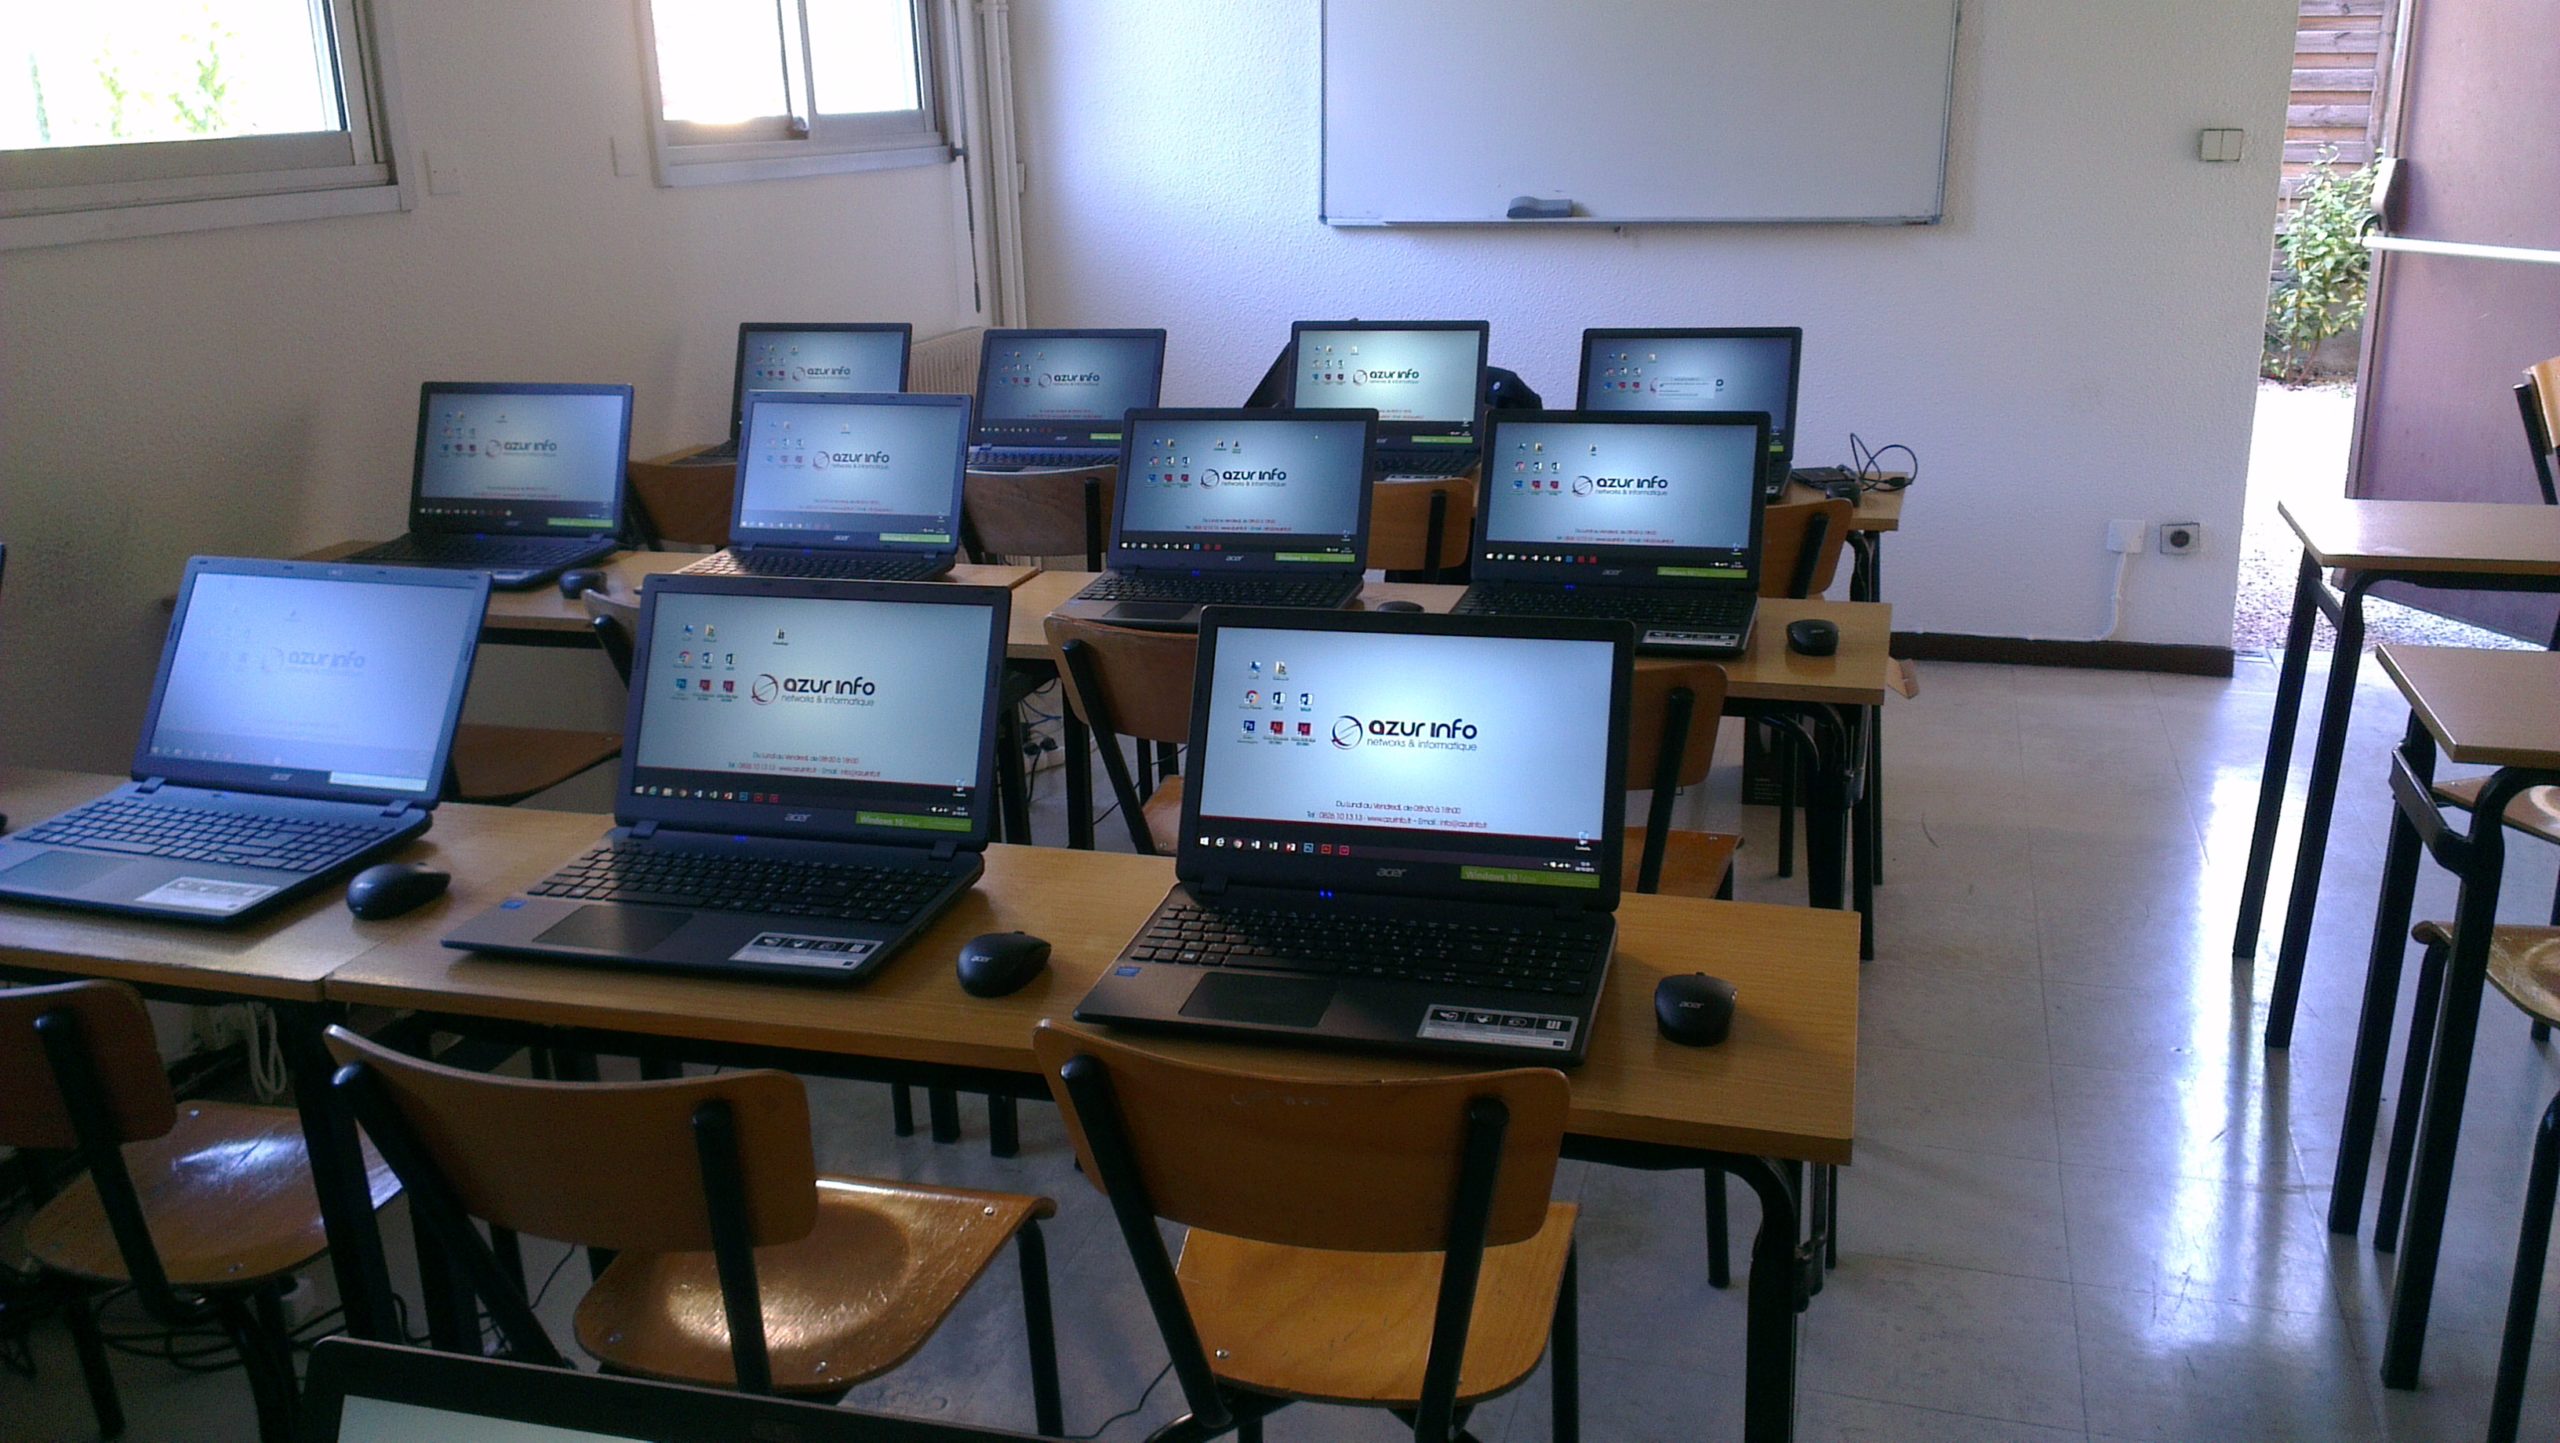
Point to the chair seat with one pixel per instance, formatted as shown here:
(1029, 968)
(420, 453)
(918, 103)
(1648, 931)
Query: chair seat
(2535, 811)
(1694, 864)
(227, 1194)
(500, 766)
(1164, 816)
(852, 1300)
(2524, 963)
(1356, 1327)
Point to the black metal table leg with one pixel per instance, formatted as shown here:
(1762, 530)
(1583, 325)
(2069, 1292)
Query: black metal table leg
(942, 1109)
(1013, 779)
(1004, 1127)
(1862, 837)
(1076, 746)
(1773, 1295)
(338, 1174)
(2381, 996)
(2271, 777)
(2319, 801)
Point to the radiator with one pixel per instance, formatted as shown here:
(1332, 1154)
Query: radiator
(946, 365)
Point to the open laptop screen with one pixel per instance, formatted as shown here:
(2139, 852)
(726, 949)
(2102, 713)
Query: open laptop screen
(1661, 497)
(1065, 388)
(872, 713)
(827, 469)
(535, 457)
(312, 683)
(1199, 488)
(1703, 370)
(784, 356)
(1425, 382)
(378, 1420)
(1407, 755)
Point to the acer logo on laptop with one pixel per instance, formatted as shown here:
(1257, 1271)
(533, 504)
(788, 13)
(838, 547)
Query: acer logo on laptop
(797, 816)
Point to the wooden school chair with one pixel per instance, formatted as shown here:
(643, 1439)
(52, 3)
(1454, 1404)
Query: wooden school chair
(1800, 548)
(1037, 513)
(1672, 719)
(1419, 530)
(1137, 684)
(204, 1209)
(1389, 1244)
(734, 1263)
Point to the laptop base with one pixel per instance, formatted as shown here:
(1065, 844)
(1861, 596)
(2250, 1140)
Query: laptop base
(196, 890)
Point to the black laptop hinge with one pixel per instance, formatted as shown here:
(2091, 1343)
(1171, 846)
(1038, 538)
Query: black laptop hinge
(398, 808)
(945, 849)
(1212, 884)
(643, 831)
(150, 785)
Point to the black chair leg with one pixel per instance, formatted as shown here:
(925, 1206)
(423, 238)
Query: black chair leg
(2524, 1293)
(1782, 757)
(1004, 1127)
(1047, 1409)
(272, 1395)
(1719, 1233)
(1564, 1356)
(1831, 1217)
(91, 1346)
(1249, 1431)
(2413, 1094)
(902, 1110)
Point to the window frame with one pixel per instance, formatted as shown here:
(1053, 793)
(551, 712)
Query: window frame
(61, 196)
(807, 142)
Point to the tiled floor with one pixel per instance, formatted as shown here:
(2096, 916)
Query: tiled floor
(2087, 1204)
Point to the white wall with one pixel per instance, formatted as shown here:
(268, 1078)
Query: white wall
(255, 390)
(2077, 342)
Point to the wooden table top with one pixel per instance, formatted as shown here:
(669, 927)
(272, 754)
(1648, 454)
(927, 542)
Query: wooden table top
(1855, 675)
(544, 609)
(1875, 511)
(1782, 1086)
(2449, 537)
(2487, 708)
(286, 955)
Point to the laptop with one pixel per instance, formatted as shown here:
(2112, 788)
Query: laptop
(807, 782)
(520, 481)
(1050, 399)
(1425, 379)
(358, 1392)
(1249, 508)
(859, 487)
(1740, 368)
(864, 356)
(1650, 517)
(1399, 832)
(300, 724)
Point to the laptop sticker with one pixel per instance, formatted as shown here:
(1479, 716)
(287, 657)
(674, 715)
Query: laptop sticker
(205, 894)
(794, 949)
(1445, 1023)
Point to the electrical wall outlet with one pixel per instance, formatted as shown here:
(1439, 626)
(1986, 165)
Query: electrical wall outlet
(2128, 536)
(2181, 538)
(2222, 146)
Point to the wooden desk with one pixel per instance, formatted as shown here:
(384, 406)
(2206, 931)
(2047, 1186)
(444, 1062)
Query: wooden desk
(2492, 708)
(2448, 545)
(1781, 1092)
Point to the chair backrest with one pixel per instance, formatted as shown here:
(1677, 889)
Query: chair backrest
(1039, 513)
(616, 624)
(2538, 397)
(604, 1164)
(1653, 717)
(1348, 1166)
(1421, 525)
(688, 505)
(1125, 682)
(123, 1057)
(1800, 545)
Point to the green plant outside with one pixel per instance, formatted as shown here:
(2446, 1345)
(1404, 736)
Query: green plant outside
(2319, 289)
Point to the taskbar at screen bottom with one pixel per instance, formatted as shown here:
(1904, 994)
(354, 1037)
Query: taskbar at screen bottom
(795, 800)
(1513, 861)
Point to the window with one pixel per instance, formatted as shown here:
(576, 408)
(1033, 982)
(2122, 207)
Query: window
(147, 116)
(758, 89)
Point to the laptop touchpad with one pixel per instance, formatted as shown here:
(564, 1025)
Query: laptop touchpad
(624, 931)
(1159, 612)
(64, 872)
(1269, 1001)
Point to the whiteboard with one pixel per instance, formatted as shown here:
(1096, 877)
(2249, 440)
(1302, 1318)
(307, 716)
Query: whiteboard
(1442, 111)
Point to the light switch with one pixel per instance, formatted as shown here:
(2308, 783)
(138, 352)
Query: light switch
(443, 176)
(2222, 146)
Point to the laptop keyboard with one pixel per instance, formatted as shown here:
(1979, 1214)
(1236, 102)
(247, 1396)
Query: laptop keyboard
(194, 834)
(1452, 462)
(1707, 611)
(721, 882)
(1563, 959)
(440, 549)
(820, 567)
(1314, 592)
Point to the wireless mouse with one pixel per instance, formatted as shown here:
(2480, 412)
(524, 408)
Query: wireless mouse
(1694, 1011)
(1813, 638)
(394, 888)
(579, 580)
(1399, 606)
(998, 963)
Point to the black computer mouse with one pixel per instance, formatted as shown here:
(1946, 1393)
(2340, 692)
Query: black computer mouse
(1813, 638)
(998, 963)
(1694, 1011)
(394, 888)
(1398, 606)
(577, 581)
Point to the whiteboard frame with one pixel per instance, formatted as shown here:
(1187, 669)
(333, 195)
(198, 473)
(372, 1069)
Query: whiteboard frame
(1936, 215)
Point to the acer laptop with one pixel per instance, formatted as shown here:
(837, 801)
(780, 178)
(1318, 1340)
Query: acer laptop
(1049, 399)
(1742, 368)
(806, 783)
(1258, 508)
(359, 1392)
(858, 487)
(300, 723)
(1425, 379)
(1400, 831)
(865, 356)
(1649, 517)
(520, 481)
